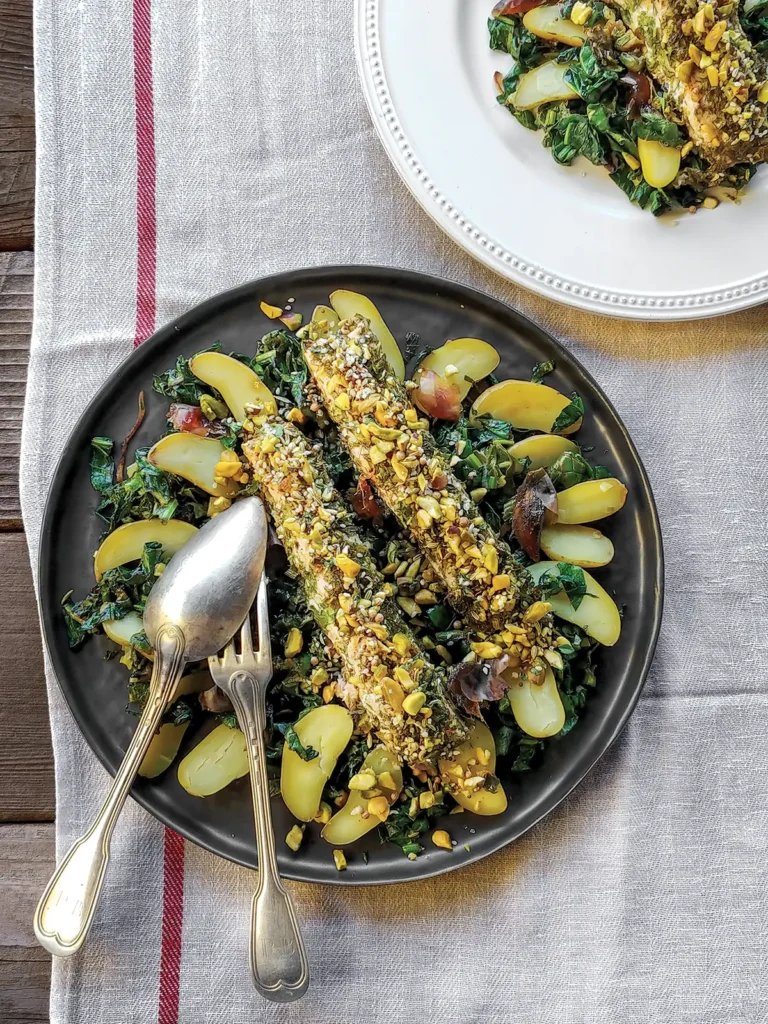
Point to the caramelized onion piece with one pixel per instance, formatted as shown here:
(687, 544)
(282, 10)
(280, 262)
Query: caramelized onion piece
(436, 396)
(506, 8)
(535, 506)
(639, 91)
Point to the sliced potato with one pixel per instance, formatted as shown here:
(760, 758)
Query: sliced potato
(195, 458)
(345, 827)
(126, 543)
(163, 749)
(597, 614)
(590, 500)
(349, 304)
(659, 163)
(216, 761)
(542, 449)
(538, 709)
(472, 359)
(546, 23)
(330, 316)
(525, 405)
(481, 801)
(238, 384)
(120, 631)
(579, 545)
(328, 729)
(544, 84)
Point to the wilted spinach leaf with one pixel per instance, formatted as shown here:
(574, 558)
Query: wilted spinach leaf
(287, 731)
(102, 464)
(572, 413)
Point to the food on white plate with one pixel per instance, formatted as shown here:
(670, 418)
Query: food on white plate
(528, 406)
(545, 84)
(418, 658)
(669, 99)
(579, 545)
(128, 541)
(548, 23)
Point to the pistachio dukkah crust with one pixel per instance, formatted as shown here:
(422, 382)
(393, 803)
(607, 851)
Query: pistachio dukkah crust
(391, 446)
(387, 677)
(715, 77)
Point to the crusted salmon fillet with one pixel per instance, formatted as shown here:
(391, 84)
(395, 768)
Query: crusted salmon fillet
(391, 446)
(715, 77)
(388, 676)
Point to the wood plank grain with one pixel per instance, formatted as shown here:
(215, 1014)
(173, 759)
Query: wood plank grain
(16, 271)
(17, 122)
(26, 757)
(27, 858)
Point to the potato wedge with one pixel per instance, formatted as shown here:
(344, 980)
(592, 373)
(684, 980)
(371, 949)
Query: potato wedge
(217, 760)
(579, 545)
(481, 801)
(538, 710)
(195, 458)
(238, 384)
(126, 543)
(194, 682)
(330, 316)
(328, 729)
(659, 163)
(544, 84)
(120, 631)
(542, 449)
(546, 23)
(163, 749)
(590, 501)
(472, 358)
(597, 614)
(525, 405)
(349, 304)
(345, 827)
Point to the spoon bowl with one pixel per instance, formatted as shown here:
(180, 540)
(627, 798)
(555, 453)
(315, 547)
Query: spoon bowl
(209, 586)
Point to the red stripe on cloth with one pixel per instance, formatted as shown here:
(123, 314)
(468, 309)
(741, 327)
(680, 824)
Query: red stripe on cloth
(146, 308)
(145, 171)
(173, 916)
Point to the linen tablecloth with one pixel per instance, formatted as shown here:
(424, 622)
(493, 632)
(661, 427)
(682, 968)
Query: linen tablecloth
(187, 147)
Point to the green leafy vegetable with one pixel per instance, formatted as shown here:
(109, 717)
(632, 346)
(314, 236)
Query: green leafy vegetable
(180, 384)
(102, 464)
(589, 77)
(542, 370)
(279, 362)
(569, 578)
(572, 413)
(287, 731)
(656, 128)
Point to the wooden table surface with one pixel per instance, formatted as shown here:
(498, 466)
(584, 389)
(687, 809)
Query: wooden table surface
(26, 760)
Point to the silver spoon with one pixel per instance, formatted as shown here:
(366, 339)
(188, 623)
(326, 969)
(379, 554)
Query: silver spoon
(192, 611)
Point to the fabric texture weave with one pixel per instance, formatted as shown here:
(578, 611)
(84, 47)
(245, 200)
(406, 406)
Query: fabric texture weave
(186, 148)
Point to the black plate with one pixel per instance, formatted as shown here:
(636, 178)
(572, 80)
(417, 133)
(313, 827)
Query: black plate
(95, 689)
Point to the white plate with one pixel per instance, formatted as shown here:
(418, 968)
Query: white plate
(568, 233)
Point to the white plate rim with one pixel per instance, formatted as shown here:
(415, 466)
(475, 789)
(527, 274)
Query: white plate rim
(688, 305)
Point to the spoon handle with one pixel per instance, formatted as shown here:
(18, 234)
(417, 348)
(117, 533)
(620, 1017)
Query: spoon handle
(66, 909)
(278, 958)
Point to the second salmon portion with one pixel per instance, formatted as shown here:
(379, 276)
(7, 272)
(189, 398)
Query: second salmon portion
(390, 444)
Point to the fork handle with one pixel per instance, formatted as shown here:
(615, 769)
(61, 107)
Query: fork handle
(278, 960)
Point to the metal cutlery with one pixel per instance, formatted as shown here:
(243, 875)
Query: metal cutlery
(278, 960)
(195, 607)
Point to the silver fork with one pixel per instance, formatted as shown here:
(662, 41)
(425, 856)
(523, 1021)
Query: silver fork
(278, 959)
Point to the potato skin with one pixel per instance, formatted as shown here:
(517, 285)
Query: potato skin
(590, 501)
(580, 545)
